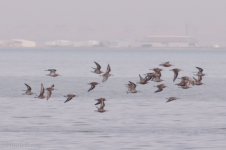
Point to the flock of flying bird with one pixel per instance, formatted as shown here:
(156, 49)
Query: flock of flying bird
(155, 76)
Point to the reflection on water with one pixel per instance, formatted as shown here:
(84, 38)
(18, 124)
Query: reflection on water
(140, 121)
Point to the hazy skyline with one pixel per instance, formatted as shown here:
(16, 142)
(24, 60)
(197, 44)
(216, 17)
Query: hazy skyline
(43, 20)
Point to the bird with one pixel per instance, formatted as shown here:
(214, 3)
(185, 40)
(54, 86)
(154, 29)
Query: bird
(131, 87)
(49, 91)
(142, 80)
(101, 102)
(52, 73)
(69, 97)
(166, 64)
(176, 72)
(149, 76)
(107, 74)
(93, 85)
(157, 74)
(171, 99)
(28, 90)
(160, 88)
(157, 70)
(42, 91)
(97, 69)
(185, 82)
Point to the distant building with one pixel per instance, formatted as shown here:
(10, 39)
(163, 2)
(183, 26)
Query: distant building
(90, 43)
(18, 43)
(169, 41)
(59, 43)
(65, 43)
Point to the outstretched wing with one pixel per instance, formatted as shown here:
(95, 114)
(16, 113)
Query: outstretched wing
(98, 65)
(175, 75)
(42, 91)
(108, 68)
(49, 93)
(28, 87)
(92, 87)
(200, 69)
(68, 99)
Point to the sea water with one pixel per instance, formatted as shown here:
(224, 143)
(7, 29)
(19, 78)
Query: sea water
(140, 121)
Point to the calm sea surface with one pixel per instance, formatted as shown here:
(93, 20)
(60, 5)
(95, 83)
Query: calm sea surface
(142, 121)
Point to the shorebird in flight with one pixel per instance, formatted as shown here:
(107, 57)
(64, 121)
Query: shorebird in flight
(166, 64)
(28, 90)
(131, 87)
(49, 91)
(185, 82)
(160, 87)
(149, 76)
(97, 69)
(107, 74)
(42, 91)
(69, 97)
(142, 80)
(176, 72)
(157, 74)
(101, 102)
(171, 99)
(52, 73)
(93, 85)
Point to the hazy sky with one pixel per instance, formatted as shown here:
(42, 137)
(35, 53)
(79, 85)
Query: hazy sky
(112, 19)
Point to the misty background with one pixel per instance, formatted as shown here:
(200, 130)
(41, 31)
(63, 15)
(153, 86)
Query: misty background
(43, 20)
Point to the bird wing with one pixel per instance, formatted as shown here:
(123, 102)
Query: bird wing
(98, 101)
(49, 93)
(141, 78)
(92, 87)
(175, 75)
(132, 85)
(108, 68)
(42, 91)
(158, 90)
(105, 77)
(98, 65)
(68, 99)
(200, 69)
(28, 87)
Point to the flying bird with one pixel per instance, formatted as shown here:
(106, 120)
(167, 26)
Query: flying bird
(28, 90)
(176, 72)
(185, 82)
(49, 91)
(142, 80)
(149, 76)
(52, 73)
(160, 88)
(69, 97)
(171, 99)
(93, 85)
(42, 91)
(157, 74)
(131, 87)
(107, 74)
(101, 102)
(166, 64)
(97, 69)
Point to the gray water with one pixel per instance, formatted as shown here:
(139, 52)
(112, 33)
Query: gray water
(141, 121)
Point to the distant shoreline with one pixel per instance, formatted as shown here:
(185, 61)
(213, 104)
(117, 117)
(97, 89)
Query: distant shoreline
(116, 48)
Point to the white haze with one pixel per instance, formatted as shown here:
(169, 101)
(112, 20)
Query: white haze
(43, 20)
